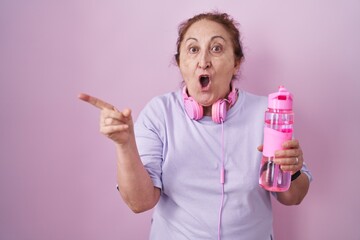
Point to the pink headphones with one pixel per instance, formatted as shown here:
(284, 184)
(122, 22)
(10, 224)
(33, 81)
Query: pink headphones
(219, 109)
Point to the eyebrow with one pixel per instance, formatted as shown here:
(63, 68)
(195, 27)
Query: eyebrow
(218, 37)
(212, 38)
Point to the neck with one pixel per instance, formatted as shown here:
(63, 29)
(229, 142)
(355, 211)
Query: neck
(207, 110)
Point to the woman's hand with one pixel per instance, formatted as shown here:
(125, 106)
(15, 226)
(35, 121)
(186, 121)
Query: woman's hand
(135, 184)
(290, 158)
(114, 124)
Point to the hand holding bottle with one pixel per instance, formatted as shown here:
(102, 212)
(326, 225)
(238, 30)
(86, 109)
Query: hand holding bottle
(290, 158)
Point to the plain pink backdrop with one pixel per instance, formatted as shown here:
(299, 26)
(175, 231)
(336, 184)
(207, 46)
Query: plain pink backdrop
(57, 173)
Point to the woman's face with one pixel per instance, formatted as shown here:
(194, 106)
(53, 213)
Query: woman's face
(207, 62)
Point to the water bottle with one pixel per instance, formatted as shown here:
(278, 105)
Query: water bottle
(278, 127)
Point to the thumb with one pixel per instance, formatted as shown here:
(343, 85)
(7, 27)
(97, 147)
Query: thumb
(127, 112)
(260, 148)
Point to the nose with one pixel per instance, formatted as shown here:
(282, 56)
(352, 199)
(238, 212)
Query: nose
(204, 60)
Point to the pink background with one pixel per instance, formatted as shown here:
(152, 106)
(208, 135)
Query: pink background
(57, 173)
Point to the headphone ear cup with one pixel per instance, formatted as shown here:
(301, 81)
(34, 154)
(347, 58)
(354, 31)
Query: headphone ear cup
(219, 110)
(193, 109)
(233, 96)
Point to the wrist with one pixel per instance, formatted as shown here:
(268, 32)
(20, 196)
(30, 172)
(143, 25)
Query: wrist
(295, 175)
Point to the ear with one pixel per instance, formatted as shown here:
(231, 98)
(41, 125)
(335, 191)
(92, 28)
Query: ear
(237, 66)
(177, 60)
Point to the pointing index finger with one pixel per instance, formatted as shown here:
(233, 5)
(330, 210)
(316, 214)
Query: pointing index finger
(96, 102)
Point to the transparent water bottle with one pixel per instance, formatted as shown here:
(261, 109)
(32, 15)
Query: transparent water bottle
(278, 127)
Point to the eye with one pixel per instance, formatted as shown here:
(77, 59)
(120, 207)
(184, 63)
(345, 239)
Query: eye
(216, 49)
(193, 49)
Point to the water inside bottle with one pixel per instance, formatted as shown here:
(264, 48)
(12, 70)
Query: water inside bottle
(272, 178)
(281, 125)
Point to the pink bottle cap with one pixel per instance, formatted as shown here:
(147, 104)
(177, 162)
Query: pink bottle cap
(281, 100)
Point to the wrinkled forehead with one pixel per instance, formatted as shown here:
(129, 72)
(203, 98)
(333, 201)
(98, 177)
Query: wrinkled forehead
(206, 30)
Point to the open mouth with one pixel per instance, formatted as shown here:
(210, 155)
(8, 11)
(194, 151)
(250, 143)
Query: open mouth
(204, 80)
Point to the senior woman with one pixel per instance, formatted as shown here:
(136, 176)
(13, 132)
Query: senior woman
(193, 153)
